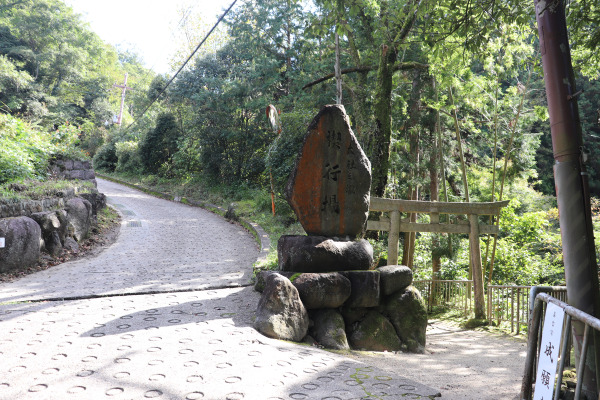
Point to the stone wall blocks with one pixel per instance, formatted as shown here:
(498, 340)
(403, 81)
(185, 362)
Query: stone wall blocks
(54, 230)
(408, 314)
(323, 254)
(394, 278)
(327, 290)
(261, 277)
(352, 315)
(365, 288)
(79, 217)
(375, 333)
(329, 329)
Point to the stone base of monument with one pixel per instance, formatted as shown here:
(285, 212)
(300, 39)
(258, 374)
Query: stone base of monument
(374, 310)
(319, 253)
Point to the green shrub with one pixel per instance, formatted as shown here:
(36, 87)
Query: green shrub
(159, 144)
(106, 158)
(24, 150)
(66, 142)
(128, 157)
(284, 151)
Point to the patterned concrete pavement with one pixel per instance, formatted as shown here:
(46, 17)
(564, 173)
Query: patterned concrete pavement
(166, 312)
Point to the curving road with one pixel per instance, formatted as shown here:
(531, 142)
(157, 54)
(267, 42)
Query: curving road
(163, 246)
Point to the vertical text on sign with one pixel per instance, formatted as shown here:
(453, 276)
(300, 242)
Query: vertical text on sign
(549, 351)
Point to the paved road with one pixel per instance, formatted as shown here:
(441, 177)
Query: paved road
(163, 246)
(166, 312)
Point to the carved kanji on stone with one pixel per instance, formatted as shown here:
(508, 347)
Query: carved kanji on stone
(330, 185)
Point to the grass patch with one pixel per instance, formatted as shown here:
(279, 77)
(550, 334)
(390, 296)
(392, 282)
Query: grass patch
(458, 318)
(37, 190)
(107, 217)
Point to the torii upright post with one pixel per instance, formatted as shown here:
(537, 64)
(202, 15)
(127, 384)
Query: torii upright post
(123, 92)
(570, 177)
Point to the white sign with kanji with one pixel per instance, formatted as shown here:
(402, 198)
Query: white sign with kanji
(549, 352)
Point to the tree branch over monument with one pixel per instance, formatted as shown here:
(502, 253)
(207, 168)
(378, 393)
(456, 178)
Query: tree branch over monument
(405, 66)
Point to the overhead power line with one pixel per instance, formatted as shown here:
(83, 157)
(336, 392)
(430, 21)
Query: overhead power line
(184, 64)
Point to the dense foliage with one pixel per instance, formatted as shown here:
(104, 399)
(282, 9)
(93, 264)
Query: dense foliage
(56, 86)
(447, 105)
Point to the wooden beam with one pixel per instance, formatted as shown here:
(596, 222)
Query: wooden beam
(384, 226)
(438, 207)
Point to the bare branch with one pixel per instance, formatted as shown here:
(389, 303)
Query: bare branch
(400, 67)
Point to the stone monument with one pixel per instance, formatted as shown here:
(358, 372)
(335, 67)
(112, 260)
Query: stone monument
(326, 290)
(329, 192)
(329, 188)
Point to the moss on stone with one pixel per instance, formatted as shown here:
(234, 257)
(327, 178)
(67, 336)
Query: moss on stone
(408, 314)
(376, 333)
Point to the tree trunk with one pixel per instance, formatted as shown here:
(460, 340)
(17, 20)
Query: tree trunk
(434, 167)
(338, 69)
(412, 129)
(380, 146)
(572, 187)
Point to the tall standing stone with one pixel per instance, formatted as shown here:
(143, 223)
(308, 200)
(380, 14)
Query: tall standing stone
(330, 186)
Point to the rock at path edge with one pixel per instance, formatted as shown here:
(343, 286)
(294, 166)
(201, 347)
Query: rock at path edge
(280, 313)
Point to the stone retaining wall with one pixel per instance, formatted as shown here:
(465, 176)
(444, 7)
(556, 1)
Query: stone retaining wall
(28, 207)
(73, 169)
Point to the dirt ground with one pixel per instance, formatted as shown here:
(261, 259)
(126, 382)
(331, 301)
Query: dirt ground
(462, 364)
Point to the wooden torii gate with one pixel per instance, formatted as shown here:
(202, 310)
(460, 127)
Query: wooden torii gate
(394, 224)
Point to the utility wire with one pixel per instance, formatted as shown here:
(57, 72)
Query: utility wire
(184, 64)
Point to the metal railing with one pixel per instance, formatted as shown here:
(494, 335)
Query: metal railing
(534, 344)
(452, 294)
(512, 304)
(506, 304)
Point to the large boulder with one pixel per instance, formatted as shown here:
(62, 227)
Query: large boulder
(261, 278)
(408, 313)
(329, 329)
(96, 199)
(54, 229)
(329, 187)
(280, 313)
(328, 290)
(394, 278)
(79, 217)
(323, 254)
(365, 289)
(374, 333)
(22, 238)
(352, 315)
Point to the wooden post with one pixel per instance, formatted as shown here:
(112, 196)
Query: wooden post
(434, 218)
(394, 238)
(475, 253)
